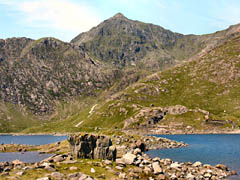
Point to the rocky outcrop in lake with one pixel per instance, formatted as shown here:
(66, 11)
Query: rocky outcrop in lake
(92, 147)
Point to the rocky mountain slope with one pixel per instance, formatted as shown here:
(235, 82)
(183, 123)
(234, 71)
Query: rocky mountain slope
(37, 77)
(35, 73)
(48, 79)
(197, 96)
(124, 42)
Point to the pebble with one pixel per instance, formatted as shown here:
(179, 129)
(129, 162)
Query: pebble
(93, 170)
(44, 178)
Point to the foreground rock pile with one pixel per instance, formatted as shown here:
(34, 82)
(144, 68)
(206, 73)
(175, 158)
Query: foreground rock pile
(162, 169)
(132, 165)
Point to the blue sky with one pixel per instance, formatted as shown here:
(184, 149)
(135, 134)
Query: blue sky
(64, 19)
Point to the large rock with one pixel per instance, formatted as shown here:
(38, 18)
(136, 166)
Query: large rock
(197, 164)
(141, 145)
(104, 149)
(92, 147)
(79, 176)
(175, 165)
(57, 176)
(156, 168)
(176, 110)
(112, 153)
(222, 167)
(44, 178)
(129, 158)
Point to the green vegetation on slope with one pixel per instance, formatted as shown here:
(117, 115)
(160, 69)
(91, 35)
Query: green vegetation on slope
(210, 83)
(14, 119)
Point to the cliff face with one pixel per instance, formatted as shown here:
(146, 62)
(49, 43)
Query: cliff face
(36, 73)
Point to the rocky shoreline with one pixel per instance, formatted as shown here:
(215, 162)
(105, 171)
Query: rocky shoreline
(129, 162)
(156, 131)
(133, 165)
(34, 134)
(145, 131)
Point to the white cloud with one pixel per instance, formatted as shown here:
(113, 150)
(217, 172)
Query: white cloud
(61, 15)
(231, 15)
(228, 15)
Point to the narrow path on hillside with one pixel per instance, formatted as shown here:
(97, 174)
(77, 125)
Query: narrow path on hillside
(92, 109)
(79, 124)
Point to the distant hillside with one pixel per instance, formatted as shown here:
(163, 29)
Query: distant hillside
(202, 94)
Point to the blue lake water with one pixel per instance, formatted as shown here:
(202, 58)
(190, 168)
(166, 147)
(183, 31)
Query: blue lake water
(28, 157)
(209, 149)
(30, 139)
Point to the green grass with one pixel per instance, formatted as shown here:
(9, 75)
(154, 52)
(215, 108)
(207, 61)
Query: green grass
(83, 165)
(14, 119)
(192, 119)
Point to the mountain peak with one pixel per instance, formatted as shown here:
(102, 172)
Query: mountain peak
(119, 15)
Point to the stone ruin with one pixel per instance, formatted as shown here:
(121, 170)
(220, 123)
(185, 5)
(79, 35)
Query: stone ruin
(92, 147)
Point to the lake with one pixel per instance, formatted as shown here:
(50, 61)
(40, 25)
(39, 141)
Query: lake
(30, 139)
(208, 149)
(28, 157)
